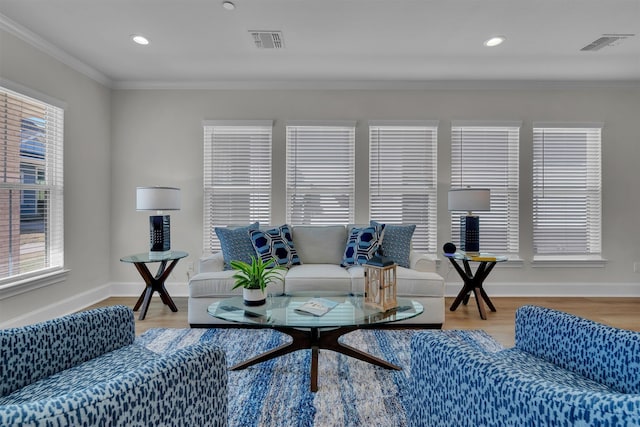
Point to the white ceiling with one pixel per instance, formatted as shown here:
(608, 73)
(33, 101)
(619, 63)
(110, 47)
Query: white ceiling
(197, 42)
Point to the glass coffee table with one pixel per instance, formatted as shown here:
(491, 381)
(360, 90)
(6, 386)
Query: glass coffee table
(313, 332)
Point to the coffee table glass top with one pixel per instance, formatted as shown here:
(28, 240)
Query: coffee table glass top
(279, 310)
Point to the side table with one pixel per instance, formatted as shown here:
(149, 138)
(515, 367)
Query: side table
(154, 283)
(473, 281)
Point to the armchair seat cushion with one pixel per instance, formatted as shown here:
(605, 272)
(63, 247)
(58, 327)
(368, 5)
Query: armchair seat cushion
(84, 376)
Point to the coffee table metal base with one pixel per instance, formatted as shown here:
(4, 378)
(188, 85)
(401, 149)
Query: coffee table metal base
(316, 339)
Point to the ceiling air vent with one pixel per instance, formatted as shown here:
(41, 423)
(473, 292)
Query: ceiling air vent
(605, 41)
(267, 39)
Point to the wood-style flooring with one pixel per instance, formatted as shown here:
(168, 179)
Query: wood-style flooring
(619, 312)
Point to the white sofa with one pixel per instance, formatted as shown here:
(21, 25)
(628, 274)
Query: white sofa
(320, 249)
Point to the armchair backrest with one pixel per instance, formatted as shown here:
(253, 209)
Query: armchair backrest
(605, 354)
(34, 352)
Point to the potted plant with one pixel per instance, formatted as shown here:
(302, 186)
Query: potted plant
(254, 278)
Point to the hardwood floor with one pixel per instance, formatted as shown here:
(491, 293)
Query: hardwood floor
(619, 312)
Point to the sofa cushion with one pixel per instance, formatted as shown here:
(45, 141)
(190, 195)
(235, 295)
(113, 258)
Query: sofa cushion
(236, 243)
(275, 243)
(317, 277)
(362, 244)
(410, 283)
(221, 283)
(397, 242)
(320, 244)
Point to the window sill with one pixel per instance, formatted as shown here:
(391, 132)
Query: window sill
(568, 261)
(10, 289)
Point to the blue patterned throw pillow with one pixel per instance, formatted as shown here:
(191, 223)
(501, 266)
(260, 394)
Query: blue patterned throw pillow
(236, 243)
(397, 242)
(362, 245)
(275, 243)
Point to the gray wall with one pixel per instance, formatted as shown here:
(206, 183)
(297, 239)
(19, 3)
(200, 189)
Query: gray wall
(157, 140)
(87, 169)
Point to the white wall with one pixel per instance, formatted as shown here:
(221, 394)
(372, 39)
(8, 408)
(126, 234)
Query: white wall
(157, 140)
(87, 175)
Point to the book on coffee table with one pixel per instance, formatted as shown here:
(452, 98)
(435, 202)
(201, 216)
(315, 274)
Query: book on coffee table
(316, 306)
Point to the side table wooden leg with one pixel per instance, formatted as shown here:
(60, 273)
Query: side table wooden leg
(479, 303)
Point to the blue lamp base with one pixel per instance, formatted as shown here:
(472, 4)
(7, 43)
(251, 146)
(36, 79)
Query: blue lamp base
(159, 233)
(470, 234)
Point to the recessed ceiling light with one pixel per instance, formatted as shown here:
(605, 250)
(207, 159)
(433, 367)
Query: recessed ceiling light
(495, 41)
(228, 5)
(140, 39)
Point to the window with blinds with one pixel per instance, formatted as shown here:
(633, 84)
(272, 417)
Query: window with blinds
(486, 155)
(237, 175)
(403, 177)
(31, 187)
(320, 173)
(567, 189)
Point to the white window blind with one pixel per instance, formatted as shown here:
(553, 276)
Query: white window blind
(403, 178)
(237, 175)
(567, 189)
(486, 155)
(31, 187)
(320, 173)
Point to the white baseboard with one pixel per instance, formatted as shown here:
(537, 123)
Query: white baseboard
(60, 308)
(564, 289)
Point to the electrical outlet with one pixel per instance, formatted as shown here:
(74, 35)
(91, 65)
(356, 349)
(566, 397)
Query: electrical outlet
(190, 267)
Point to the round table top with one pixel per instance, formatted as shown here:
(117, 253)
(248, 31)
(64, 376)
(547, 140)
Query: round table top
(478, 257)
(154, 256)
(280, 310)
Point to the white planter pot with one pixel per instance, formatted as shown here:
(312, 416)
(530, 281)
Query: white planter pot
(253, 297)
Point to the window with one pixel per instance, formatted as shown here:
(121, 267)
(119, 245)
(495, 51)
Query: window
(567, 189)
(237, 175)
(31, 187)
(403, 177)
(320, 173)
(486, 155)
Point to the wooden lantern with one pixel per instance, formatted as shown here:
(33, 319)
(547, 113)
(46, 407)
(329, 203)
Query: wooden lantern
(380, 287)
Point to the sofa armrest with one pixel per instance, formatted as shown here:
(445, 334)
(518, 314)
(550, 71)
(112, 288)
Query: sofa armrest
(211, 263)
(599, 352)
(63, 343)
(187, 387)
(422, 262)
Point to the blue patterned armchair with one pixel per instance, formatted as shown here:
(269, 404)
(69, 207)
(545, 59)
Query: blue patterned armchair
(85, 369)
(563, 371)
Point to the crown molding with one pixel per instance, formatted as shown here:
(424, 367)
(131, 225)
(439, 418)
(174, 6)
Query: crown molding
(375, 85)
(38, 42)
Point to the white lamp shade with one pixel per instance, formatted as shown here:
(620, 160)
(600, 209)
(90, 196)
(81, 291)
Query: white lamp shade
(157, 199)
(469, 199)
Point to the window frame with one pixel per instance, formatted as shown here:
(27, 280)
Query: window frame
(593, 171)
(505, 186)
(337, 165)
(402, 140)
(254, 158)
(53, 271)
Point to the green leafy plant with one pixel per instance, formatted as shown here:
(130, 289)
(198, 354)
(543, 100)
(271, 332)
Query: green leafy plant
(256, 275)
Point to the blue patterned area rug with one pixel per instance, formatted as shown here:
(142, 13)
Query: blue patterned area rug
(277, 392)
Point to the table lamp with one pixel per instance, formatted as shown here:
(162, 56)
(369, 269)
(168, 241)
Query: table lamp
(470, 199)
(158, 199)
